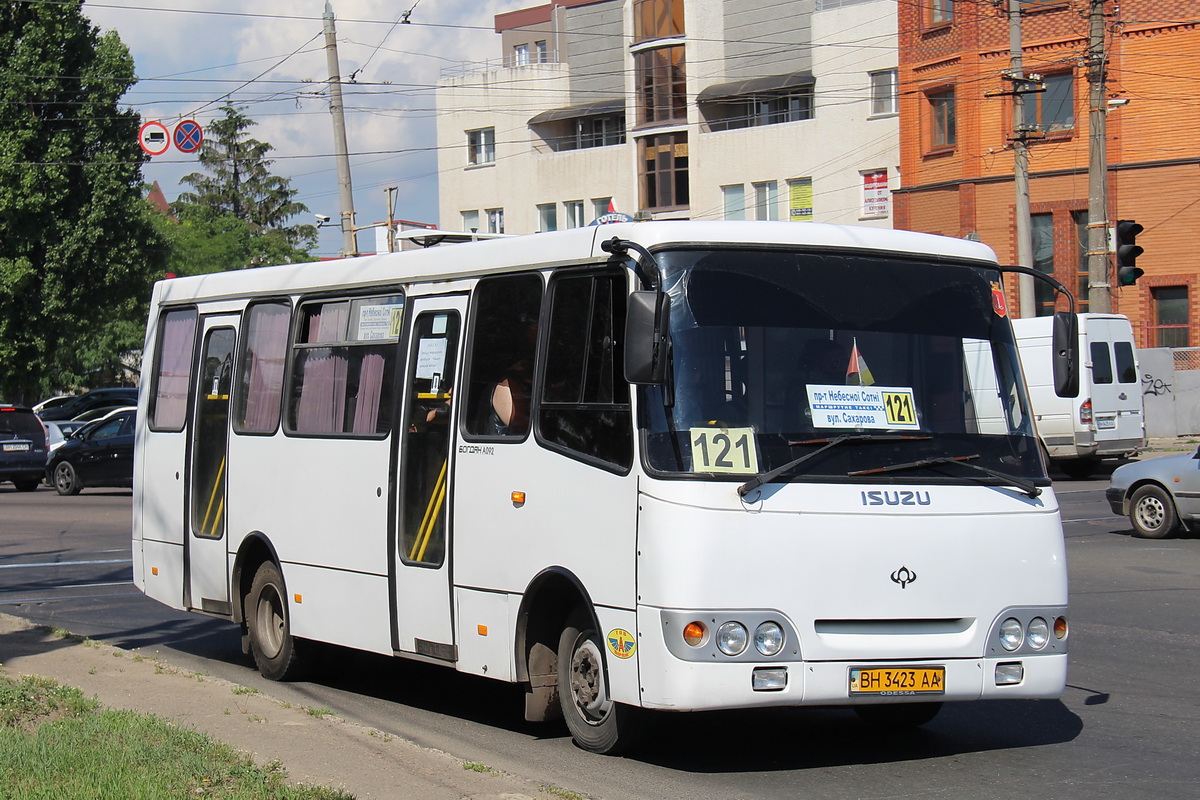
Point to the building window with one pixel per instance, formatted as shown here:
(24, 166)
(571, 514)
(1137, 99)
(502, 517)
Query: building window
(1041, 230)
(470, 221)
(520, 55)
(941, 12)
(876, 195)
(599, 131)
(766, 200)
(943, 132)
(885, 92)
(664, 170)
(574, 213)
(542, 52)
(481, 146)
(765, 109)
(657, 19)
(495, 217)
(1170, 316)
(800, 200)
(662, 88)
(547, 217)
(601, 206)
(1054, 109)
(1079, 223)
(734, 204)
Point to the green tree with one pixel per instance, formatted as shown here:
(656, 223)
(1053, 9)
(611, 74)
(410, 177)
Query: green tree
(78, 249)
(236, 216)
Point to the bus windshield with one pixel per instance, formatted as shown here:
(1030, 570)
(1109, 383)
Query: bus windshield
(905, 364)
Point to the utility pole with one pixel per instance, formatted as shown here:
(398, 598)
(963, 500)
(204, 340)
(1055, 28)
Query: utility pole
(391, 218)
(341, 151)
(1027, 300)
(1099, 289)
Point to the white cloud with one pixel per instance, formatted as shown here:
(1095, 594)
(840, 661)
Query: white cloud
(273, 48)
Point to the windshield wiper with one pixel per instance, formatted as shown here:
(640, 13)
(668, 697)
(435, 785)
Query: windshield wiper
(767, 477)
(1026, 486)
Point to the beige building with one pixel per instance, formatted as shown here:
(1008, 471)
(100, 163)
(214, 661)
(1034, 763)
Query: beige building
(674, 109)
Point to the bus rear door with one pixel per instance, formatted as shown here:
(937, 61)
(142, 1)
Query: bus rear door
(207, 546)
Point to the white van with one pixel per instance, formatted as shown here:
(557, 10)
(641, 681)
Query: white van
(1106, 419)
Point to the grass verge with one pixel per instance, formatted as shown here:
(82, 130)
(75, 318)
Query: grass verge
(55, 743)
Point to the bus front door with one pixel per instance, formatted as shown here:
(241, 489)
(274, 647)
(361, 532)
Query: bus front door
(425, 479)
(206, 562)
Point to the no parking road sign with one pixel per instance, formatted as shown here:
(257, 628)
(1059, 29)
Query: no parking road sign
(153, 138)
(188, 136)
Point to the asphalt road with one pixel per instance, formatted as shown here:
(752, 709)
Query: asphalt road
(1126, 726)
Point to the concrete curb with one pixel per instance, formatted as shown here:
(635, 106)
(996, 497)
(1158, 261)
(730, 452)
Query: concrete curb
(314, 748)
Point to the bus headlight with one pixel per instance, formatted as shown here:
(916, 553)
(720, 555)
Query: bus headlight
(1038, 633)
(732, 638)
(768, 638)
(1011, 634)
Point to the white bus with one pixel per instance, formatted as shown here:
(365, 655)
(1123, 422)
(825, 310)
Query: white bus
(661, 465)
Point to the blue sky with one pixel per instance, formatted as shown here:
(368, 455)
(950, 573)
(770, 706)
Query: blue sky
(193, 55)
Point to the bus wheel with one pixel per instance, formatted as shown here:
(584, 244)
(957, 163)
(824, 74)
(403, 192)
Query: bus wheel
(276, 652)
(596, 722)
(898, 716)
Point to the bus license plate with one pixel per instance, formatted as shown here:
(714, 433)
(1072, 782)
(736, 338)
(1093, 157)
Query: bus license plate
(16, 447)
(897, 681)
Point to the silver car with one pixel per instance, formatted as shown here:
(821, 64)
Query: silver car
(1161, 496)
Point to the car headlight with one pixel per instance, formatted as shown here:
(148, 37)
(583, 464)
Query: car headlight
(1038, 633)
(768, 638)
(1011, 634)
(732, 638)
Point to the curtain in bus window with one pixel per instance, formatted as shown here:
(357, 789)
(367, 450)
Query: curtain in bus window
(266, 349)
(328, 324)
(370, 388)
(174, 370)
(322, 405)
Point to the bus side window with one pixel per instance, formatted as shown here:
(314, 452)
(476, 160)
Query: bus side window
(263, 361)
(503, 350)
(173, 371)
(584, 409)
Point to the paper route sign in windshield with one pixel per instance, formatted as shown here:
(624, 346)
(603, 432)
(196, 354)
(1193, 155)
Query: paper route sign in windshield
(881, 407)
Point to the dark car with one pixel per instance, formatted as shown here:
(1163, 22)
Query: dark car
(99, 454)
(22, 447)
(88, 401)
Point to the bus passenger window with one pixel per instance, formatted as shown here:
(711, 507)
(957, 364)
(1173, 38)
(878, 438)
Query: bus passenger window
(503, 349)
(585, 407)
(173, 374)
(263, 358)
(342, 366)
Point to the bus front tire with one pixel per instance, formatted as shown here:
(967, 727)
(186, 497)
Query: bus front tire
(276, 652)
(596, 723)
(898, 716)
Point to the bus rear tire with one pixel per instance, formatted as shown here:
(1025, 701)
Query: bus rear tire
(276, 652)
(898, 716)
(596, 723)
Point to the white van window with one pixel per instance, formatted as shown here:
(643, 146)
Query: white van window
(1126, 368)
(1102, 371)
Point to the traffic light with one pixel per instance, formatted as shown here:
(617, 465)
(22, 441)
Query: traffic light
(1127, 252)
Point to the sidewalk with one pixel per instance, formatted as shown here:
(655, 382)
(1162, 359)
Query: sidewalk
(320, 750)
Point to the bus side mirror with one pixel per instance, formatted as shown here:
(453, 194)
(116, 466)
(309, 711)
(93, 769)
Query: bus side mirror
(1065, 342)
(645, 340)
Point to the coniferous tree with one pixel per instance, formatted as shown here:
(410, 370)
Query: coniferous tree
(236, 214)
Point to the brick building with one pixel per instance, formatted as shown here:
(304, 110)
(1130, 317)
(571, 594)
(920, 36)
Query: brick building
(956, 156)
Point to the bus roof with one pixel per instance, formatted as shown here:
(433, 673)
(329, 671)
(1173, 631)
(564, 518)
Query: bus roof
(543, 250)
